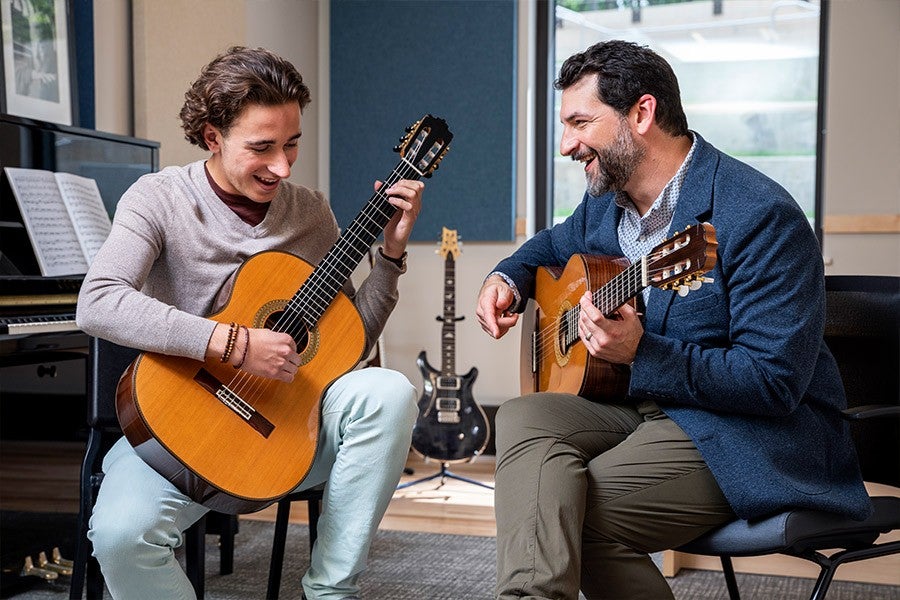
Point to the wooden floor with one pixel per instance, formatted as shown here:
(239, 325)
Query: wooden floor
(435, 506)
(43, 476)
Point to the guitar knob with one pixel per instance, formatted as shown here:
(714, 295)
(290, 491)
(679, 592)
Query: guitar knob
(683, 290)
(695, 285)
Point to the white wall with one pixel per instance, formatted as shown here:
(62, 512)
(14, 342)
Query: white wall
(174, 38)
(862, 141)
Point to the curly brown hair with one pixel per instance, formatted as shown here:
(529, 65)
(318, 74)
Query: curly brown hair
(230, 82)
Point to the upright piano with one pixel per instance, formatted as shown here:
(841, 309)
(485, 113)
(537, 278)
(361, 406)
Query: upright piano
(43, 355)
(37, 314)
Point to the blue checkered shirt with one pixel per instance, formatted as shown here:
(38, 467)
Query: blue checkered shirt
(639, 234)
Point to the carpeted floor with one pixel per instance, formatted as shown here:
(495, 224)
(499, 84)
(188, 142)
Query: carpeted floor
(423, 566)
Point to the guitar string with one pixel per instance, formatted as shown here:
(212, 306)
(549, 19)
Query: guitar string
(616, 284)
(295, 314)
(625, 284)
(447, 324)
(248, 387)
(570, 316)
(292, 319)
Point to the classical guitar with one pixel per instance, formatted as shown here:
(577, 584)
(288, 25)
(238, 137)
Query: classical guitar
(235, 442)
(451, 427)
(553, 357)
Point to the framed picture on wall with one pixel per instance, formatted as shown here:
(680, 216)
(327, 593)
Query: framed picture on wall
(37, 73)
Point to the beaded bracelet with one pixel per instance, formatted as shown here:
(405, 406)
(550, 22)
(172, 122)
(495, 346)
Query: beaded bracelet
(229, 345)
(246, 347)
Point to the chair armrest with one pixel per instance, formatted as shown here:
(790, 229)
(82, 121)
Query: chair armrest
(869, 411)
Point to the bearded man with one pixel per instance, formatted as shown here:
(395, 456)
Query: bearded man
(732, 407)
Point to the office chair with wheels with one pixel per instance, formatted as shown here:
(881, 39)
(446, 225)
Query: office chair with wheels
(862, 330)
(107, 361)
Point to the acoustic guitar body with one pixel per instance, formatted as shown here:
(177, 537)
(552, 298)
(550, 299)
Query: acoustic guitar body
(235, 442)
(553, 357)
(232, 441)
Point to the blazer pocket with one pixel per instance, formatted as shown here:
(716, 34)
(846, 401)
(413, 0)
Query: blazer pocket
(694, 303)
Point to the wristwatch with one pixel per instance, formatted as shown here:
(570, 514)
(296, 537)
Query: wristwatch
(400, 262)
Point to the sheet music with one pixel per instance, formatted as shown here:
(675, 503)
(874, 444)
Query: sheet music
(64, 217)
(86, 210)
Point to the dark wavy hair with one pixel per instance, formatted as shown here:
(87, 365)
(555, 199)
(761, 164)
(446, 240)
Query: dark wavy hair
(626, 71)
(230, 82)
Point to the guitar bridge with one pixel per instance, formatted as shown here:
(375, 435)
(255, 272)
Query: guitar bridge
(233, 401)
(447, 417)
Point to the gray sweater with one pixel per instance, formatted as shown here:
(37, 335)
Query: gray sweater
(173, 251)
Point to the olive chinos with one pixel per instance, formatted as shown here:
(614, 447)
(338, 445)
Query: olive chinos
(585, 491)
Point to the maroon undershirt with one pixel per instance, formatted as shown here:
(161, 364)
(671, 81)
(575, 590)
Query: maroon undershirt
(249, 211)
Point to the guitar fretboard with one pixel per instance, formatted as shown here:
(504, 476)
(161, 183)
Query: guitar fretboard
(448, 329)
(617, 291)
(320, 288)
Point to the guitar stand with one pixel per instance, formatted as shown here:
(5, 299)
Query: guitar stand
(444, 473)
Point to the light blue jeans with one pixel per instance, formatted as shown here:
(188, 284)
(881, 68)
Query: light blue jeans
(367, 419)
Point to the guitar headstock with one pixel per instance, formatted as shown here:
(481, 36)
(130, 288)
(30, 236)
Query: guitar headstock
(425, 144)
(680, 262)
(449, 244)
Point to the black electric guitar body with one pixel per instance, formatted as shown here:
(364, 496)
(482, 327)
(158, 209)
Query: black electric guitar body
(451, 427)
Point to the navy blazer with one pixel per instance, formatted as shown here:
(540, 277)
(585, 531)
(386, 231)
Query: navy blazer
(740, 364)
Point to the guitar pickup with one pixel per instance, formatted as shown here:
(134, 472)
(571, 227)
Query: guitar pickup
(448, 383)
(448, 404)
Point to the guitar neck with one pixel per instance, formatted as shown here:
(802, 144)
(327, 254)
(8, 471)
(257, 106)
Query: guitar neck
(448, 329)
(621, 288)
(616, 292)
(327, 279)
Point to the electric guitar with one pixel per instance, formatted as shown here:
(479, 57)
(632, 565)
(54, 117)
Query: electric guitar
(236, 442)
(553, 358)
(451, 427)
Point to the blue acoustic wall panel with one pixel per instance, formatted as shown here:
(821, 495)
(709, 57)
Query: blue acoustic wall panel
(394, 61)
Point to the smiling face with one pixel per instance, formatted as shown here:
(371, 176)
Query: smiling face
(598, 136)
(257, 152)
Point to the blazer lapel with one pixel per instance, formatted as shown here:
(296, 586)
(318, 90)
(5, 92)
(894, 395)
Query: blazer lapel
(694, 205)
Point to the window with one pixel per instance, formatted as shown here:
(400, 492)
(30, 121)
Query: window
(748, 72)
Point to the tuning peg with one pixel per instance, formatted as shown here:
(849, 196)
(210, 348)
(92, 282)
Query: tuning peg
(397, 148)
(683, 290)
(695, 285)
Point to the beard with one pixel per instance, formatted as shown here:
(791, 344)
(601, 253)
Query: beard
(616, 163)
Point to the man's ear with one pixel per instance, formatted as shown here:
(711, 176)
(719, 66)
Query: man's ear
(213, 137)
(644, 113)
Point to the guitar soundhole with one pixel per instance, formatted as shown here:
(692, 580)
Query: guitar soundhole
(307, 340)
(277, 321)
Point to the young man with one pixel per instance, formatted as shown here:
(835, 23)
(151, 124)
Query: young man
(732, 406)
(178, 237)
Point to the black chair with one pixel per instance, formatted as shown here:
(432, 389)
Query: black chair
(106, 363)
(863, 332)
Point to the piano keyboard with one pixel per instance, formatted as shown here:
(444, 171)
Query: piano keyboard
(31, 324)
